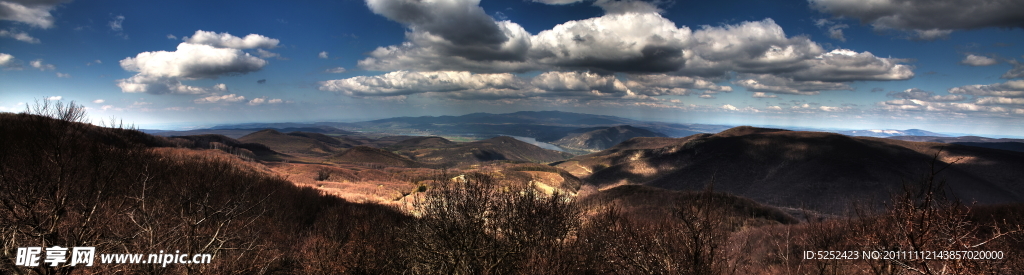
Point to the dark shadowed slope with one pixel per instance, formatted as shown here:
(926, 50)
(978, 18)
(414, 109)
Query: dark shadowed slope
(240, 130)
(297, 143)
(600, 138)
(213, 141)
(421, 142)
(651, 201)
(822, 171)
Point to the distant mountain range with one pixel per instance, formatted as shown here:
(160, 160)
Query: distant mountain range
(889, 133)
(994, 143)
(563, 129)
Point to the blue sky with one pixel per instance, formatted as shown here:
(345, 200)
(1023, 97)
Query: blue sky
(946, 66)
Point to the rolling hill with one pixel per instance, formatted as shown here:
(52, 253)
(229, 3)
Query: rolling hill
(370, 155)
(230, 145)
(421, 142)
(821, 171)
(240, 130)
(301, 143)
(499, 148)
(600, 138)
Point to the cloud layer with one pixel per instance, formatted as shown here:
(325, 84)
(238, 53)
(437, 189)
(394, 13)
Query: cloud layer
(636, 42)
(928, 19)
(999, 99)
(570, 84)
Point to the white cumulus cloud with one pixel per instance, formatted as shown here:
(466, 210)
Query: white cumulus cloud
(226, 40)
(405, 82)
(977, 60)
(161, 72)
(8, 62)
(635, 42)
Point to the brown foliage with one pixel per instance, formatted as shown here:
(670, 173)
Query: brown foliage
(66, 183)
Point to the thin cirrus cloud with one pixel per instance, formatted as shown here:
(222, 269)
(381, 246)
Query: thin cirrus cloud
(833, 29)
(19, 35)
(205, 55)
(633, 41)
(264, 100)
(918, 94)
(41, 65)
(219, 99)
(927, 19)
(117, 25)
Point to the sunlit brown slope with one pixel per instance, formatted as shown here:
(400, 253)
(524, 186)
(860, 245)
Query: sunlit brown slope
(499, 148)
(789, 168)
(370, 155)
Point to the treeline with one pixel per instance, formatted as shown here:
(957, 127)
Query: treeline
(66, 183)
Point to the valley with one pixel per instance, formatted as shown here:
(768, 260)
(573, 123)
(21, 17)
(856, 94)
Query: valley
(612, 188)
